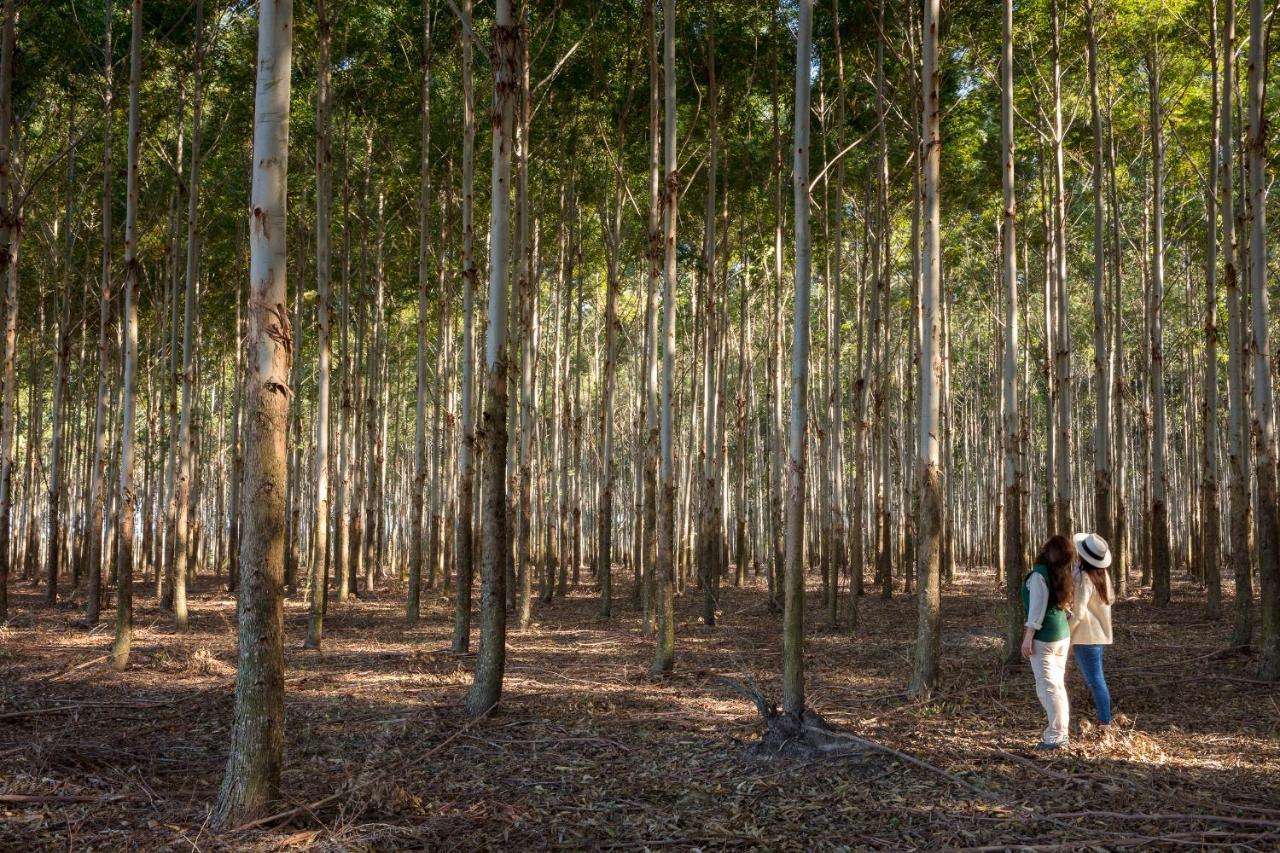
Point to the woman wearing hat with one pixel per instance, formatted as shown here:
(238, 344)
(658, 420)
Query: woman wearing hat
(1090, 617)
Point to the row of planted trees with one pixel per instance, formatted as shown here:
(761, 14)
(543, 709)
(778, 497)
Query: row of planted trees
(612, 408)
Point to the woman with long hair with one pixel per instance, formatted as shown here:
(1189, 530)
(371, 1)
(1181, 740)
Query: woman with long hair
(1090, 619)
(1047, 595)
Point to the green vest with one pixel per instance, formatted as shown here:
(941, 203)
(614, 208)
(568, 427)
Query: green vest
(1055, 626)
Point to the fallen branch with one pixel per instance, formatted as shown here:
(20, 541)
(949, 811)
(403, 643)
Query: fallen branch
(55, 709)
(57, 798)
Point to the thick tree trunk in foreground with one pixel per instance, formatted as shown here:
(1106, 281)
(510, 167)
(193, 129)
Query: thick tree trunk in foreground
(793, 607)
(486, 690)
(924, 676)
(252, 780)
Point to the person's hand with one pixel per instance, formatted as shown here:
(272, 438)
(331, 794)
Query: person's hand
(1026, 646)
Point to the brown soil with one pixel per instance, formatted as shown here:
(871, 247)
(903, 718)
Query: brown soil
(588, 751)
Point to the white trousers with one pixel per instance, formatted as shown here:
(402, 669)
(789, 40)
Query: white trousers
(1049, 665)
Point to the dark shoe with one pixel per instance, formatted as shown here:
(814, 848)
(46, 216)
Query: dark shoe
(1050, 747)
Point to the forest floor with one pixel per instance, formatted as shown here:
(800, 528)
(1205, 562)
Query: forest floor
(589, 751)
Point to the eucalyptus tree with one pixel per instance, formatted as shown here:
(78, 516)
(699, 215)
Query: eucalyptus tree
(1237, 440)
(462, 550)
(129, 368)
(1014, 555)
(664, 574)
(318, 584)
(486, 689)
(793, 698)
(1159, 533)
(251, 782)
(1264, 416)
(8, 226)
(182, 492)
(1101, 355)
(1210, 518)
(924, 675)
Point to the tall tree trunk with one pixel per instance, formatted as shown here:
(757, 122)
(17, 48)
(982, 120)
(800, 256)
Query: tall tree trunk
(924, 676)
(252, 780)
(1264, 416)
(793, 608)
(1210, 518)
(466, 470)
(486, 690)
(1160, 556)
(1101, 354)
(182, 494)
(1062, 338)
(9, 225)
(664, 647)
(655, 259)
(708, 525)
(127, 500)
(319, 577)
(835, 390)
(420, 428)
(528, 345)
(1238, 482)
(1014, 500)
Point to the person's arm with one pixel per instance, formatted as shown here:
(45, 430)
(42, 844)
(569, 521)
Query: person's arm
(1036, 607)
(1083, 589)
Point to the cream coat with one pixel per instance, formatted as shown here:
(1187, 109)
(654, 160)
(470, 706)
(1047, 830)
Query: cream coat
(1090, 617)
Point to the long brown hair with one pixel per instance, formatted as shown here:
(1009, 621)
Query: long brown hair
(1099, 578)
(1059, 555)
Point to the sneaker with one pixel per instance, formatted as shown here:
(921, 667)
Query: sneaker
(1050, 747)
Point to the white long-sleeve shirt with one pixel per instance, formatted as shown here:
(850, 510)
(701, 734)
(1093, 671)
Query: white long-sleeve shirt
(1039, 603)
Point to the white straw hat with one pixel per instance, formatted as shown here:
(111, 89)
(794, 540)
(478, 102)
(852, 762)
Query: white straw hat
(1093, 549)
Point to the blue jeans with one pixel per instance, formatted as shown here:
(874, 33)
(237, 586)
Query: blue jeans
(1089, 659)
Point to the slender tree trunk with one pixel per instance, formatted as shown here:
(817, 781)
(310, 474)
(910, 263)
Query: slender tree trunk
(486, 690)
(182, 494)
(1210, 519)
(655, 260)
(252, 780)
(1014, 500)
(708, 527)
(420, 428)
(1062, 350)
(10, 223)
(129, 368)
(1264, 417)
(319, 577)
(1238, 483)
(793, 700)
(466, 473)
(1102, 503)
(664, 651)
(1160, 556)
(928, 461)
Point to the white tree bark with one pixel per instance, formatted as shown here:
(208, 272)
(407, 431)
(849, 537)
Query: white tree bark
(252, 779)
